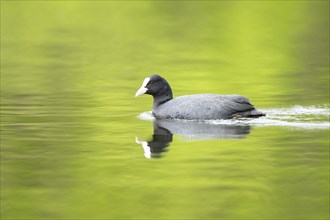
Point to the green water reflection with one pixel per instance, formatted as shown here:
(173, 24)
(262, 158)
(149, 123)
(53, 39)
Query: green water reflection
(69, 71)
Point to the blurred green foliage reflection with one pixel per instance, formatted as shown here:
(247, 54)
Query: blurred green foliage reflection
(70, 69)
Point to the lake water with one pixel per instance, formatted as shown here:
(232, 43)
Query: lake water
(76, 144)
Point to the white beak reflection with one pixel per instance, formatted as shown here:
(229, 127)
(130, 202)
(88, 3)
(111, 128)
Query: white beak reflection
(145, 146)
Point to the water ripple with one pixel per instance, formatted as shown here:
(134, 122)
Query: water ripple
(302, 117)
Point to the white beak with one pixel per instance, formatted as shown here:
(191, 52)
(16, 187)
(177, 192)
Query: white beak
(143, 88)
(141, 91)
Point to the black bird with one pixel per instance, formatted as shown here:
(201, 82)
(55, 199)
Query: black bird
(195, 107)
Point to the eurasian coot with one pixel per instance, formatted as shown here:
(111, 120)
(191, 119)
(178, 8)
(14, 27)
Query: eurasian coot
(195, 107)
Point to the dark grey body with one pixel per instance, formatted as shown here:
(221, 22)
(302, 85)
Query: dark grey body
(206, 107)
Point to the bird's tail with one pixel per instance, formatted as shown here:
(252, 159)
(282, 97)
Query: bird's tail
(254, 113)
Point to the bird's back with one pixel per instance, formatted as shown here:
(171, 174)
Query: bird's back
(204, 106)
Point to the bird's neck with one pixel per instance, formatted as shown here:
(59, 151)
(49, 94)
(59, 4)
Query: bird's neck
(164, 95)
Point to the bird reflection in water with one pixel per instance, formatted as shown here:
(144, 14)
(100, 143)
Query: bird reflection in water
(190, 131)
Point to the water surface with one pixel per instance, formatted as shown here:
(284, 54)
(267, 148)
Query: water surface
(76, 144)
